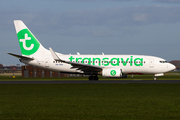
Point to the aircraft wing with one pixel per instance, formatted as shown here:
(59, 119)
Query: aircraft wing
(78, 66)
(20, 56)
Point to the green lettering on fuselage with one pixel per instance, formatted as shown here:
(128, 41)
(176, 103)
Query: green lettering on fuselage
(116, 60)
(77, 59)
(105, 61)
(98, 60)
(109, 61)
(124, 62)
(131, 61)
(138, 62)
(88, 59)
(71, 58)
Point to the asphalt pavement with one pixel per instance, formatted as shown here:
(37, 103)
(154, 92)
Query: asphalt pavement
(94, 82)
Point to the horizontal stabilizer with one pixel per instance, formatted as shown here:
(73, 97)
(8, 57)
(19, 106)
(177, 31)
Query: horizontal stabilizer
(20, 56)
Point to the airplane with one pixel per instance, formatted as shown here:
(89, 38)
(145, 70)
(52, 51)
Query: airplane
(112, 66)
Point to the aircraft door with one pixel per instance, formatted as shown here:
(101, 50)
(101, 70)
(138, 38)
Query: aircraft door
(47, 62)
(151, 63)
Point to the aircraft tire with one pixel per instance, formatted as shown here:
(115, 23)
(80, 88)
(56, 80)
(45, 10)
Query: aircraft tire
(96, 78)
(91, 78)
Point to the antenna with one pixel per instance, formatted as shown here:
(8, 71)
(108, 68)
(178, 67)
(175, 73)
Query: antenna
(78, 53)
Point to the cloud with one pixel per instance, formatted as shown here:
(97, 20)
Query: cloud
(121, 16)
(100, 33)
(167, 1)
(140, 17)
(100, 22)
(99, 0)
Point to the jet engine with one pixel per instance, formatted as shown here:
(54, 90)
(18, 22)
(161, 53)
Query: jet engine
(112, 72)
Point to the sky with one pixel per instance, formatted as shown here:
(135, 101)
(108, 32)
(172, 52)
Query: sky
(140, 27)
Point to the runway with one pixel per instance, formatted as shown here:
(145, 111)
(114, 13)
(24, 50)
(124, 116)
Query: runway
(94, 82)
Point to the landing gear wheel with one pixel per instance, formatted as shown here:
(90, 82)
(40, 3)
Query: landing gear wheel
(96, 78)
(91, 77)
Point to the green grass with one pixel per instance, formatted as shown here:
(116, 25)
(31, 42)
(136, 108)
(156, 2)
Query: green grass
(90, 101)
(136, 77)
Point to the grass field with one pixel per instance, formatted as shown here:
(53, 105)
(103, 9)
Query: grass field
(90, 101)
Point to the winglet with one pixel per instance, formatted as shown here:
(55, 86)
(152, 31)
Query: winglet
(55, 57)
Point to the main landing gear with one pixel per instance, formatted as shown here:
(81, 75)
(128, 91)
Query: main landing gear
(93, 77)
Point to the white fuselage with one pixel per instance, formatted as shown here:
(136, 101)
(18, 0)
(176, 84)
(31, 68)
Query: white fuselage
(130, 64)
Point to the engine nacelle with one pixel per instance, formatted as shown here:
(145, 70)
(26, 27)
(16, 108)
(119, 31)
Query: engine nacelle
(112, 72)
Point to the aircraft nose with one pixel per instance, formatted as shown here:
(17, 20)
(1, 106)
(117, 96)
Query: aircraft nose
(171, 67)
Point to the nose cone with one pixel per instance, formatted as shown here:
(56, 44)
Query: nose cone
(171, 67)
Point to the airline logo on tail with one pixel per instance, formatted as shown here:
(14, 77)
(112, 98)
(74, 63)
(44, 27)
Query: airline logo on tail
(24, 42)
(28, 43)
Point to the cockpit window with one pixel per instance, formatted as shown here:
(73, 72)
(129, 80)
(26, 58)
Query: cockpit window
(163, 61)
